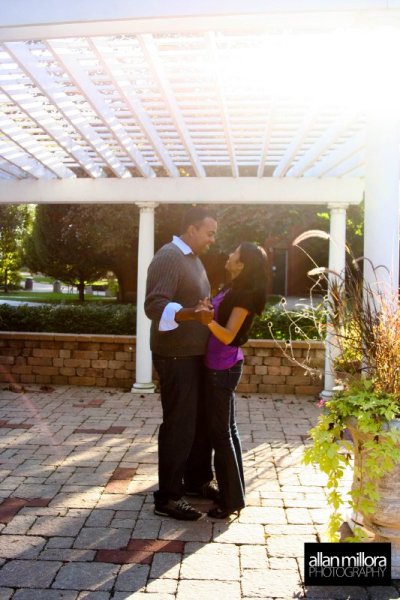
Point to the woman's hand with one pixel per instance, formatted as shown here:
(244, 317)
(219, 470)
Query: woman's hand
(204, 311)
(204, 303)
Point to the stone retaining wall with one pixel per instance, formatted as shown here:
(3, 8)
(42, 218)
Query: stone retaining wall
(109, 361)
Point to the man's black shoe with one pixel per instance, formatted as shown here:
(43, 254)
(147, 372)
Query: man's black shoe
(208, 490)
(178, 509)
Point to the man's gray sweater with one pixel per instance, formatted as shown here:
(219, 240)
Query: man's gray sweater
(176, 277)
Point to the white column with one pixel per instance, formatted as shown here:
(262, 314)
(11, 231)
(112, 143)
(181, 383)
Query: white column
(337, 263)
(144, 381)
(381, 225)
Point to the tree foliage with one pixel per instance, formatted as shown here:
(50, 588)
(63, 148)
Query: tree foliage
(14, 223)
(80, 243)
(354, 227)
(112, 230)
(257, 223)
(59, 247)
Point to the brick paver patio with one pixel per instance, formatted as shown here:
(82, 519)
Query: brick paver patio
(77, 471)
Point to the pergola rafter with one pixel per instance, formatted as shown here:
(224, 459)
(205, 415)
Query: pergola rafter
(150, 50)
(155, 104)
(266, 142)
(217, 72)
(32, 107)
(90, 92)
(295, 144)
(31, 146)
(348, 167)
(15, 155)
(340, 154)
(124, 87)
(325, 141)
(57, 95)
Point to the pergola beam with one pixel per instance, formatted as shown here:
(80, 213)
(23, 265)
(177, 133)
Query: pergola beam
(92, 95)
(266, 140)
(12, 171)
(31, 146)
(337, 156)
(35, 19)
(15, 155)
(211, 190)
(126, 90)
(149, 49)
(294, 146)
(215, 62)
(348, 166)
(30, 65)
(316, 150)
(32, 107)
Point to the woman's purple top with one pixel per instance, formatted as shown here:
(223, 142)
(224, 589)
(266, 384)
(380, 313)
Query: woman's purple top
(219, 356)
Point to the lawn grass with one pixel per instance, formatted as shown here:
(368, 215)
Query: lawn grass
(52, 298)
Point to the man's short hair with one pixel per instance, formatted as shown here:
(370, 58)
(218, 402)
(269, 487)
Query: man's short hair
(195, 216)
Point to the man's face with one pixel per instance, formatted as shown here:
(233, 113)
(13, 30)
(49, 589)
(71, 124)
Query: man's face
(201, 237)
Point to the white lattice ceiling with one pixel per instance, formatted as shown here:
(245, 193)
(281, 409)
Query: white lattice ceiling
(214, 101)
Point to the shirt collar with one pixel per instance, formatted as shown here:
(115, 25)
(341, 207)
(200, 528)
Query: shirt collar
(182, 245)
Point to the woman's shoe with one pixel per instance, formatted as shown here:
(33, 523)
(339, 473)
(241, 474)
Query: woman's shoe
(223, 513)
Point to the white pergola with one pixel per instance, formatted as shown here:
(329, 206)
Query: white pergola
(293, 101)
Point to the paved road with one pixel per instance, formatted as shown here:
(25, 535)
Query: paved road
(19, 303)
(38, 287)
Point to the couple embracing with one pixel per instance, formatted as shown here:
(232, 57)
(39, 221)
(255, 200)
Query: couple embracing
(196, 345)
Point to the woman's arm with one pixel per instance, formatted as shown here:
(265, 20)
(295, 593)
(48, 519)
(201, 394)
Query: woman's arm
(228, 333)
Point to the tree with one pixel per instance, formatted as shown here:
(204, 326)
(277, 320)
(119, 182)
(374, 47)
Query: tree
(257, 223)
(354, 228)
(81, 242)
(113, 233)
(60, 248)
(14, 221)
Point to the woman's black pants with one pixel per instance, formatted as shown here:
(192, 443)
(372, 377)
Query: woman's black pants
(220, 401)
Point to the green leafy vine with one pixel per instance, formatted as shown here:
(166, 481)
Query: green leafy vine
(367, 413)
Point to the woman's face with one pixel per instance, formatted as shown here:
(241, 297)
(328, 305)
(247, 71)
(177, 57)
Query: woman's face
(234, 265)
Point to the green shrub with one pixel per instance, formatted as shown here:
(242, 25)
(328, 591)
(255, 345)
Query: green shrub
(120, 319)
(280, 324)
(117, 319)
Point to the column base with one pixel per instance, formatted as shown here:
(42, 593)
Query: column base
(147, 388)
(326, 394)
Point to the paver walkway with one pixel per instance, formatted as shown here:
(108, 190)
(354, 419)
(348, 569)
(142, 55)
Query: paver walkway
(77, 471)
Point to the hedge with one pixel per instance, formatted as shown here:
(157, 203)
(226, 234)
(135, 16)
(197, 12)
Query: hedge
(110, 319)
(278, 323)
(120, 319)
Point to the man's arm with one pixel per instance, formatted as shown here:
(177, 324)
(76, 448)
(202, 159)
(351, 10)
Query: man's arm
(202, 315)
(162, 282)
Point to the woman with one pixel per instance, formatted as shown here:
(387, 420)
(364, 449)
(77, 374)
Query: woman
(234, 309)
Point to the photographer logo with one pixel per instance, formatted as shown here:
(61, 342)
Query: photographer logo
(347, 564)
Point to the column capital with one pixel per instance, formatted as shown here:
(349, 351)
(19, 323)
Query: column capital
(336, 206)
(150, 206)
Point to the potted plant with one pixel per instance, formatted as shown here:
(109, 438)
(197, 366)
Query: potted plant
(360, 425)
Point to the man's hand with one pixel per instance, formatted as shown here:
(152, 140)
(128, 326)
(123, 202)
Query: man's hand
(202, 313)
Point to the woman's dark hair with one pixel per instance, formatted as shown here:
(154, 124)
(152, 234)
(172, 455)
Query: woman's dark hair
(247, 290)
(253, 277)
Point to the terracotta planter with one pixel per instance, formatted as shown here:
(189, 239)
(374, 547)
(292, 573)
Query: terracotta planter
(384, 522)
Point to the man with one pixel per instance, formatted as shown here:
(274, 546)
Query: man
(176, 282)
